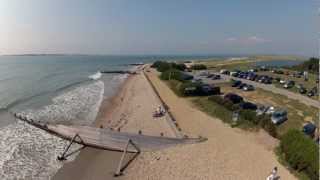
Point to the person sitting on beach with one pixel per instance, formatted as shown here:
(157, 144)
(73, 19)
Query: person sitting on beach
(273, 175)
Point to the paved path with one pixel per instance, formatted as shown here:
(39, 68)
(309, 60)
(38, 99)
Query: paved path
(269, 87)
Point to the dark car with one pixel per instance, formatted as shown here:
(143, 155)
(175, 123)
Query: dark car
(289, 84)
(242, 85)
(309, 129)
(248, 88)
(236, 83)
(234, 98)
(248, 105)
(302, 90)
(216, 77)
(311, 93)
(267, 80)
(210, 75)
(279, 117)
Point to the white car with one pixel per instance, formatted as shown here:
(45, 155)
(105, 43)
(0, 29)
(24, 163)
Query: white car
(270, 110)
(223, 71)
(282, 81)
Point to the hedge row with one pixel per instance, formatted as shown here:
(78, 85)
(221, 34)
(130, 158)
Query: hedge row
(163, 66)
(301, 153)
(198, 67)
(262, 121)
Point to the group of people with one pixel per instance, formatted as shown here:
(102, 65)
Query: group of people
(160, 111)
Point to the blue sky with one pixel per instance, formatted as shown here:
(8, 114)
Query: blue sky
(159, 26)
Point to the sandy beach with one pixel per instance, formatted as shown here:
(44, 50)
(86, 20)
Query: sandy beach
(130, 110)
(228, 154)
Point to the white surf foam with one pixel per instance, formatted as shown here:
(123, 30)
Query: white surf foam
(96, 76)
(78, 105)
(30, 153)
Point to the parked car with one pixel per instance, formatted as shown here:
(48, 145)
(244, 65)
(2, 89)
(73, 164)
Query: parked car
(313, 92)
(282, 81)
(289, 84)
(261, 110)
(234, 73)
(309, 129)
(234, 98)
(248, 88)
(210, 75)
(279, 117)
(267, 80)
(224, 71)
(302, 90)
(216, 77)
(252, 70)
(242, 85)
(248, 105)
(207, 89)
(278, 79)
(270, 110)
(236, 83)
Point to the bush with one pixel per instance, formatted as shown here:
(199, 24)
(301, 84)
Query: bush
(174, 74)
(248, 115)
(180, 67)
(171, 74)
(301, 153)
(163, 66)
(267, 125)
(198, 67)
(217, 99)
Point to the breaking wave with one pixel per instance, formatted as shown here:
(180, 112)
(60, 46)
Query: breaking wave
(27, 152)
(96, 76)
(78, 106)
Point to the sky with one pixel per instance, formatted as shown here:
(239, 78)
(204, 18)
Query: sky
(289, 27)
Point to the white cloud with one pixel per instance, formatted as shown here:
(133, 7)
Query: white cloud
(251, 40)
(256, 39)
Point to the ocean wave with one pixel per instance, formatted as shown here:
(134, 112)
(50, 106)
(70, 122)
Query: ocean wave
(27, 152)
(77, 106)
(96, 76)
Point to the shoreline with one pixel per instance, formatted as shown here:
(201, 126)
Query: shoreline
(131, 110)
(94, 157)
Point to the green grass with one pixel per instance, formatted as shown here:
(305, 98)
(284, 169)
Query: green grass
(218, 111)
(174, 86)
(212, 109)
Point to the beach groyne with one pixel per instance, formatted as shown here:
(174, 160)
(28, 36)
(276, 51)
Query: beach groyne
(118, 72)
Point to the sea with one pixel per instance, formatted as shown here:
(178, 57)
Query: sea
(64, 89)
